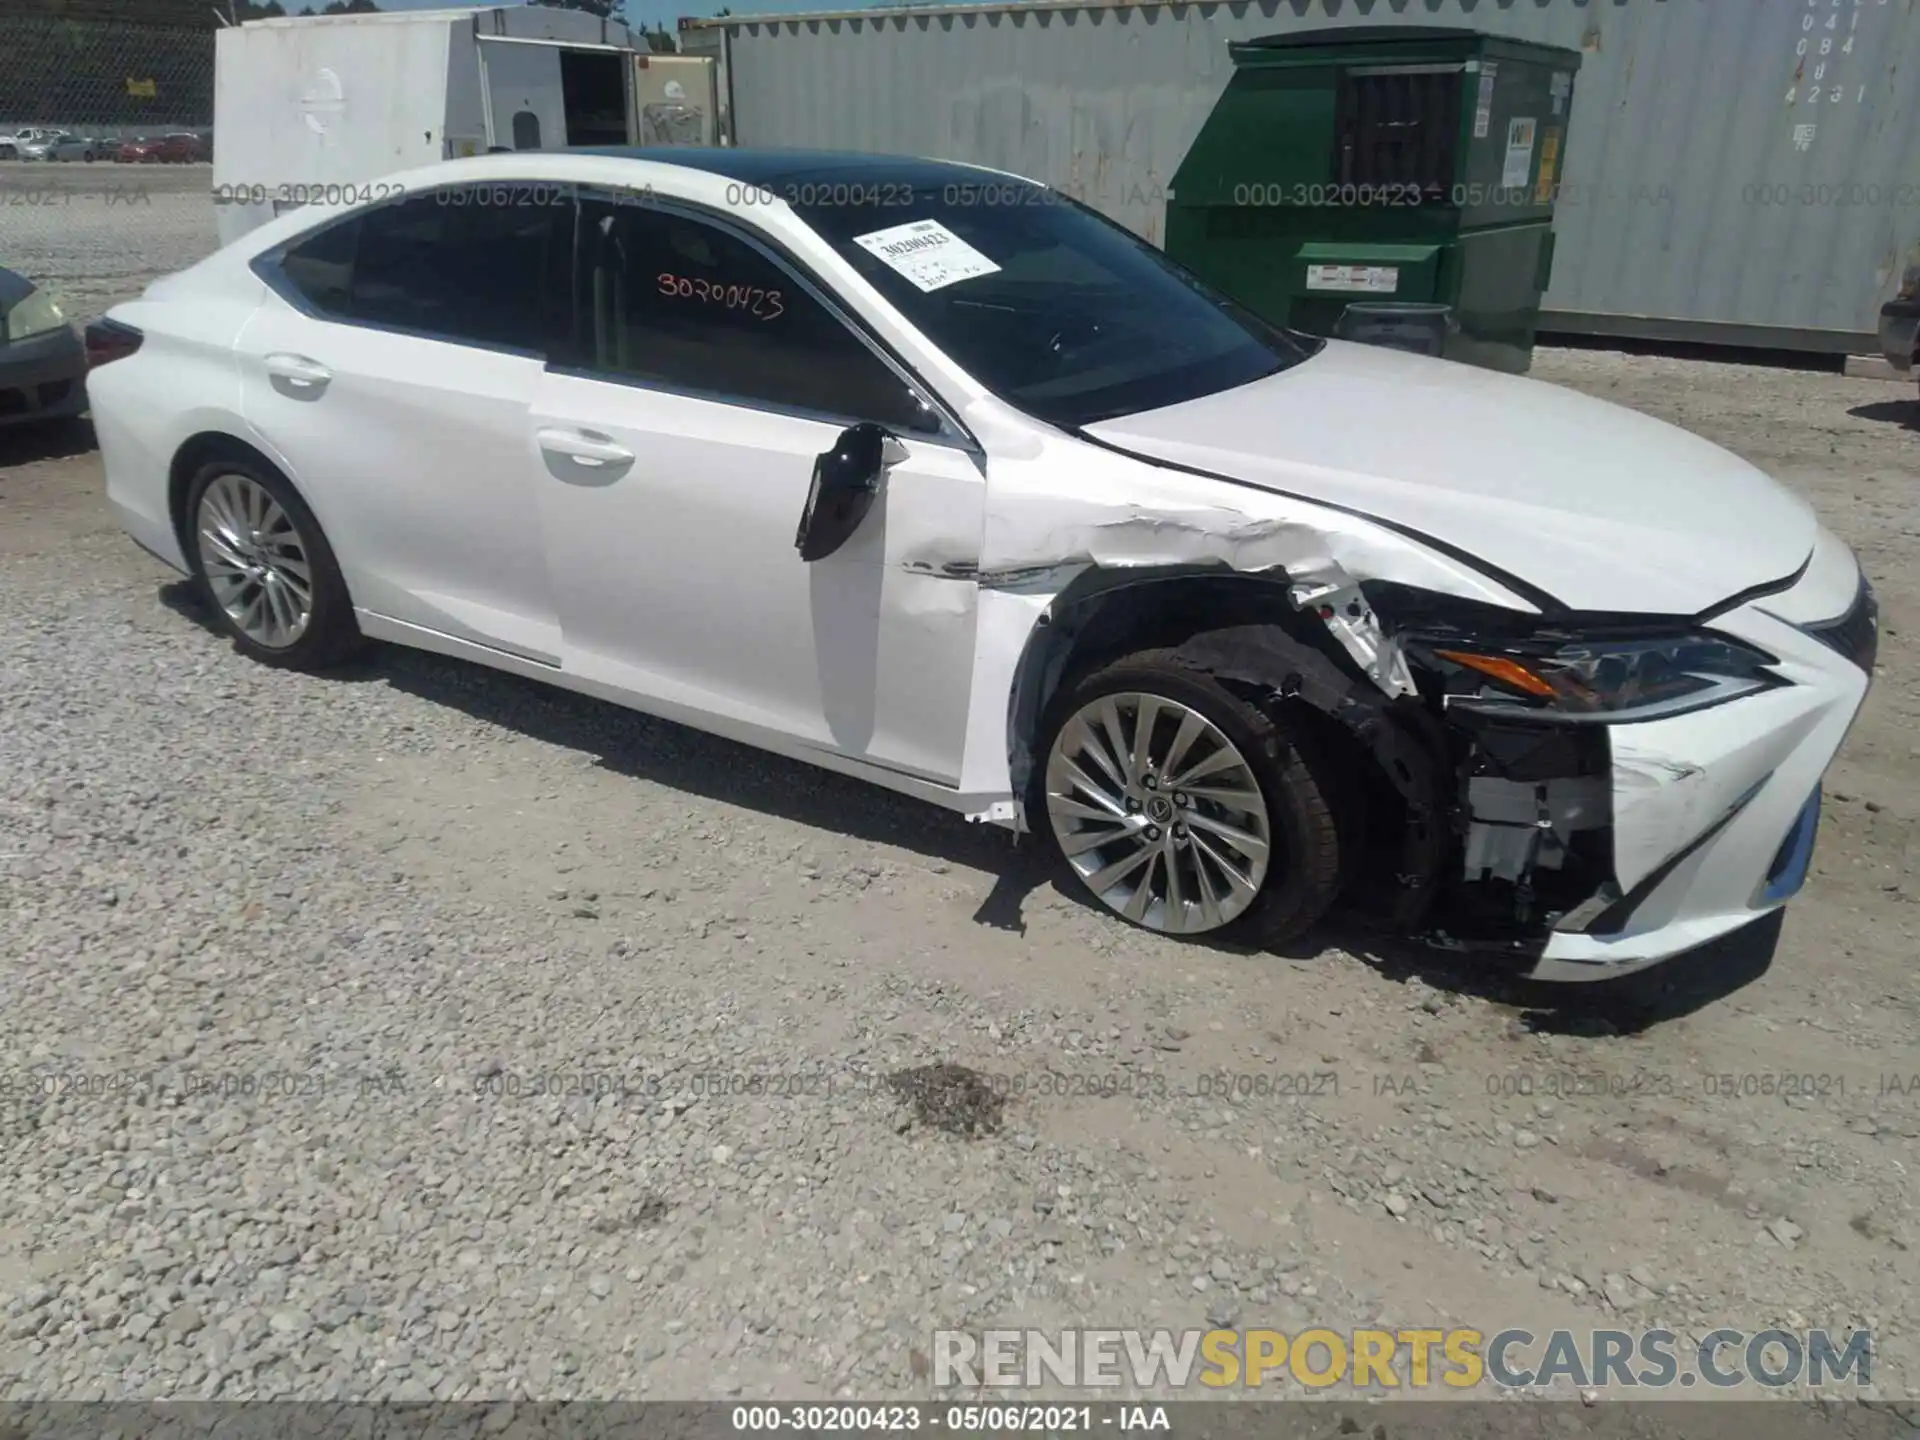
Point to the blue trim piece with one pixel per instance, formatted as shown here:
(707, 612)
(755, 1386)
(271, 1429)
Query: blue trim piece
(1789, 870)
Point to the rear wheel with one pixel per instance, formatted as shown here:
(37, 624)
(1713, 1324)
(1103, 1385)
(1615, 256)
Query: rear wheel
(265, 569)
(1185, 809)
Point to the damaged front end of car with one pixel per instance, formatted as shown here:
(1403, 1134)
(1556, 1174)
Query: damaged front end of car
(1529, 705)
(1510, 774)
(1477, 738)
(1492, 730)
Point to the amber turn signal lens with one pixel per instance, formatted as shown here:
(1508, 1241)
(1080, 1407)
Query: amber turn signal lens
(1499, 667)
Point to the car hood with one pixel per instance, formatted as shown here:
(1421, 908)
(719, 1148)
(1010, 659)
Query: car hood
(1597, 505)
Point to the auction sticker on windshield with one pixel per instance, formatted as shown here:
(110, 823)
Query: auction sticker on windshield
(927, 253)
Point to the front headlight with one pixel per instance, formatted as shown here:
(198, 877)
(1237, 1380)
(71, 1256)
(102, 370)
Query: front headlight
(1598, 680)
(35, 315)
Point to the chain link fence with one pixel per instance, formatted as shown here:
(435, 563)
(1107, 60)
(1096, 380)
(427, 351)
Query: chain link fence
(106, 133)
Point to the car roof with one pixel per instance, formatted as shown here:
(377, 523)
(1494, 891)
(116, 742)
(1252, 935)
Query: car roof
(707, 176)
(772, 167)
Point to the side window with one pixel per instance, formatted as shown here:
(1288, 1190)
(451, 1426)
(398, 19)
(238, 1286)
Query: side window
(526, 130)
(683, 303)
(475, 264)
(320, 267)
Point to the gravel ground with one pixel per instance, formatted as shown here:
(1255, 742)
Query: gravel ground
(420, 1032)
(98, 234)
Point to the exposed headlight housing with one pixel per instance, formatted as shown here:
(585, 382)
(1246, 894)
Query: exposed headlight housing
(1605, 680)
(37, 314)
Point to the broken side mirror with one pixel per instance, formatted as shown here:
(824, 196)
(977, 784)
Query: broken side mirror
(845, 481)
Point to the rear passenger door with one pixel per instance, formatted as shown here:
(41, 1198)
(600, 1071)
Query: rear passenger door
(391, 370)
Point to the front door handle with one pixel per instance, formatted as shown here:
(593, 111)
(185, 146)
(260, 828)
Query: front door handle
(583, 447)
(298, 371)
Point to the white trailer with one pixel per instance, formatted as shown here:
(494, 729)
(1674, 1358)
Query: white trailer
(306, 105)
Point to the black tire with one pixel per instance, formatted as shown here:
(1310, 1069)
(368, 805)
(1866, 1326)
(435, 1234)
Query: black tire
(331, 635)
(1303, 875)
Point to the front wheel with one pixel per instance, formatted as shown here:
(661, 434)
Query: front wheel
(263, 566)
(1186, 809)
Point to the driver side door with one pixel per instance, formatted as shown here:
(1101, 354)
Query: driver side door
(677, 447)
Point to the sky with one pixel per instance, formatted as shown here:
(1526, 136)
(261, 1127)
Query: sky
(653, 12)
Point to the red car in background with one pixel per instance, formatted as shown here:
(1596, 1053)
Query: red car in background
(182, 148)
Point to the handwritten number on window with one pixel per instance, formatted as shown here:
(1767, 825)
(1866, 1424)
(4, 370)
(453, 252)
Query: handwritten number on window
(755, 300)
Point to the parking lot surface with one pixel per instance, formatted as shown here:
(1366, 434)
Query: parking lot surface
(420, 1032)
(97, 234)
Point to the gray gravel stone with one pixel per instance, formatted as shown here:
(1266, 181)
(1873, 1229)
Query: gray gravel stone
(370, 1112)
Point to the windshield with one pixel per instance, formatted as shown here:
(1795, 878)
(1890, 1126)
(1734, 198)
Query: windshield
(1056, 309)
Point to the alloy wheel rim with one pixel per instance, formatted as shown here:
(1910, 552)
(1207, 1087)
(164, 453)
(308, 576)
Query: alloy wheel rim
(255, 561)
(1159, 813)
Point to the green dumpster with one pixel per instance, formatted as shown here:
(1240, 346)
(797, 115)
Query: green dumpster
(1382, 164)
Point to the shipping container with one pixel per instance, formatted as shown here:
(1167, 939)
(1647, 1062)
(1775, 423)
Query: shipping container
(310, 107)
(1738, 172)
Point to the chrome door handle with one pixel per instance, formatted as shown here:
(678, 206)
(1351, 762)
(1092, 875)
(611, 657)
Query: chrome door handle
(298, 370)
(583, 448)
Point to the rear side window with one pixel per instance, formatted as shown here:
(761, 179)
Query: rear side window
(679, 302)
(479, 265)
(320, 268)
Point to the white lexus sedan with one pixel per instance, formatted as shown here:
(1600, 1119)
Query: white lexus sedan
(929, 475)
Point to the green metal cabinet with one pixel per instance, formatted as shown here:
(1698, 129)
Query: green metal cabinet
(1382, 163)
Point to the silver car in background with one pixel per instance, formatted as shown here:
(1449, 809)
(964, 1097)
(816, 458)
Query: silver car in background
(42, 146)
(12, 145)
(69, 147)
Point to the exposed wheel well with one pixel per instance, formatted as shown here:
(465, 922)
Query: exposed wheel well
(1386, 763)
(207, 446)
(1106, 614)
